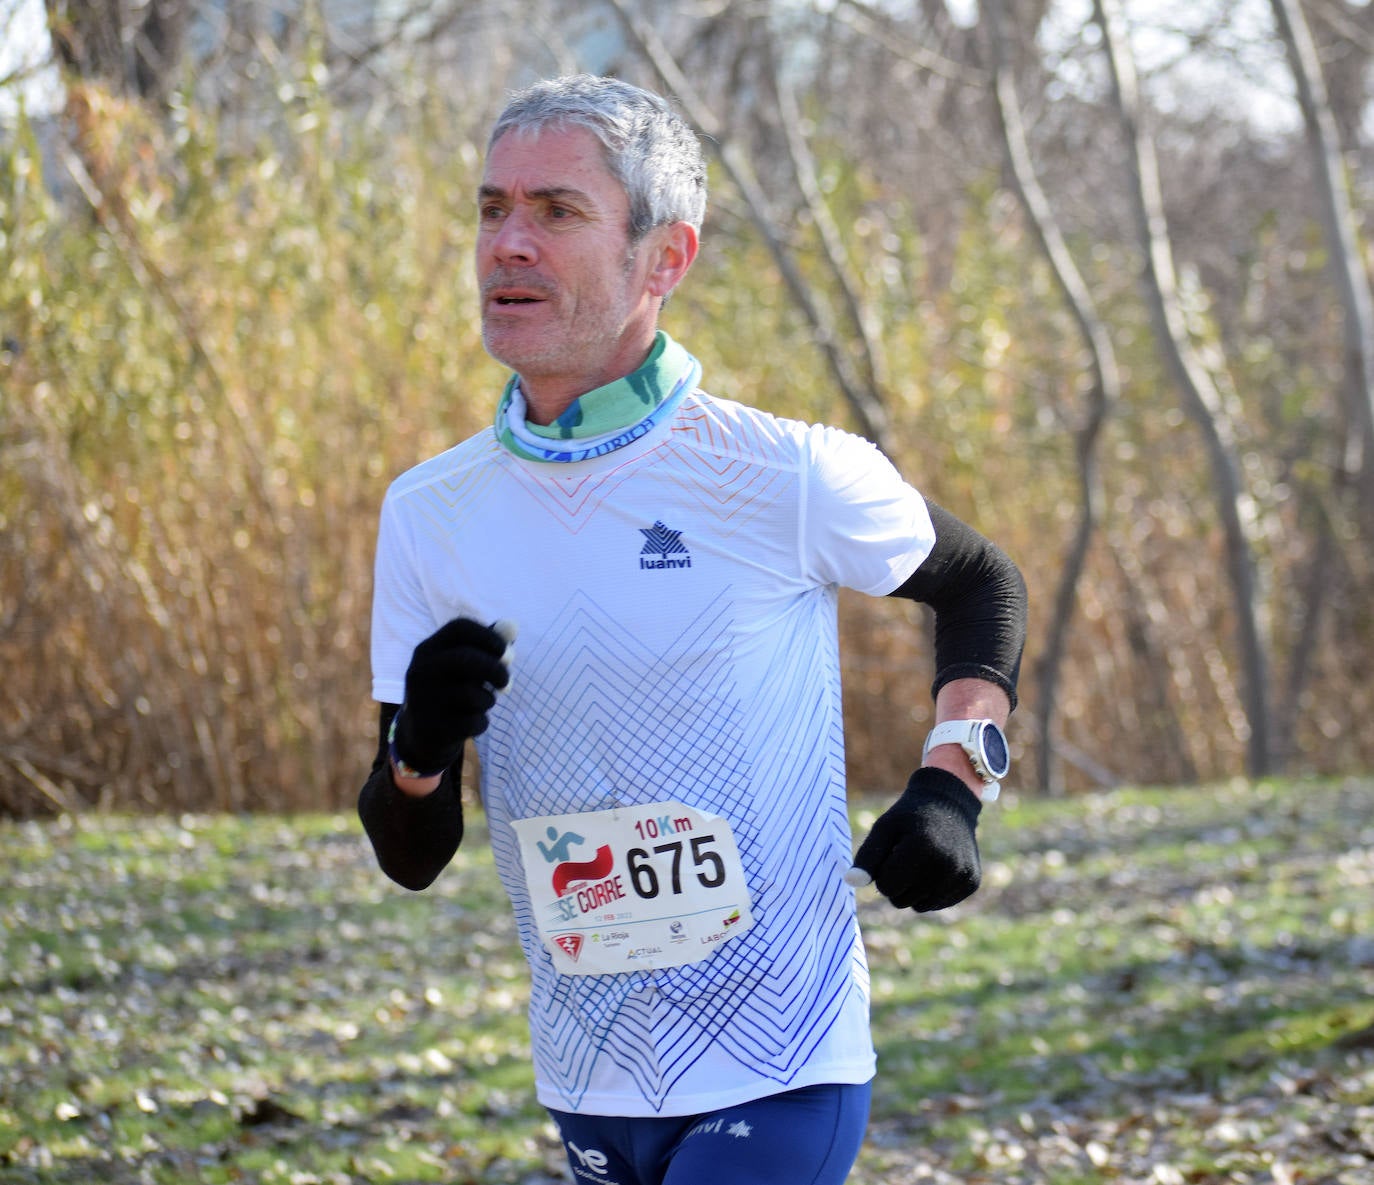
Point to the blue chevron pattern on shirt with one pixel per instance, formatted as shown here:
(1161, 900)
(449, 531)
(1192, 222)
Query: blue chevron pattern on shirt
(603, 723)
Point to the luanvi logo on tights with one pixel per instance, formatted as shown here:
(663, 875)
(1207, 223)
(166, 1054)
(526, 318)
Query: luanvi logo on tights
(665, 543)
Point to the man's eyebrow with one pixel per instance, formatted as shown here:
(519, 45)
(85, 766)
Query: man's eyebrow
(549, 193)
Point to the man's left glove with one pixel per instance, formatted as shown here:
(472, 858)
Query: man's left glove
(922, 852)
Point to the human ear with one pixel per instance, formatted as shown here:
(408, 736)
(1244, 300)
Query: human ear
(675, 249)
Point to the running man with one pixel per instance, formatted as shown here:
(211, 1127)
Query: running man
(662, 755)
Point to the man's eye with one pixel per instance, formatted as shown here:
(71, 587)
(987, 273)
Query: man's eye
(489, 213)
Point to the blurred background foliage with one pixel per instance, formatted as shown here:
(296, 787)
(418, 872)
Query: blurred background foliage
(237, 300)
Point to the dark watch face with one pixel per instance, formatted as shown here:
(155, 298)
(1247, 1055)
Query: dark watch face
(995, 751)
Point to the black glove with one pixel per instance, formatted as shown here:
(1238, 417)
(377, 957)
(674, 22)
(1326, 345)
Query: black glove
(922, 852)
(451, 685)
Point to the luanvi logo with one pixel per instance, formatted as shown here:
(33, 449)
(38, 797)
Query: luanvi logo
(666, 544)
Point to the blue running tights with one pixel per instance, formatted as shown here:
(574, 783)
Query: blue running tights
(809, 1136)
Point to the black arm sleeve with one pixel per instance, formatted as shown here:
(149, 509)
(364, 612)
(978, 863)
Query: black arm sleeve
(979, 598)
(414, 838)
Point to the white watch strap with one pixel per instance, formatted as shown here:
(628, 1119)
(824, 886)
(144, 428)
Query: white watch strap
(951, 732)
(963, 733)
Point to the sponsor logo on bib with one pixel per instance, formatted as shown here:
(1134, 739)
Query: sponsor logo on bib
(569, 944)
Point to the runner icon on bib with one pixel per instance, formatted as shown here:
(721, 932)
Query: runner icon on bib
(637, 888)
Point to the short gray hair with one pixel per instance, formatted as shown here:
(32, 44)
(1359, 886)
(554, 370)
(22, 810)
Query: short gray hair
(650, 149)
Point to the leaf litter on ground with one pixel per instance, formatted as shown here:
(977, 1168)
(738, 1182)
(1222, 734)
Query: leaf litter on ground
(1163, 987)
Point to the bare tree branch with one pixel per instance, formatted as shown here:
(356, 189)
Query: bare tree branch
(1356, 26)
(1201, 399)
(832, 242)
(1338, 224)
(1103, 392)
(877, 25)
(865, 402)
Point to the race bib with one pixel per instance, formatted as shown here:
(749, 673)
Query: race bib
(637, 888)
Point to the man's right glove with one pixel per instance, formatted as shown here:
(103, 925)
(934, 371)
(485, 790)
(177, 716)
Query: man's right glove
(922, 852)
(451, 685)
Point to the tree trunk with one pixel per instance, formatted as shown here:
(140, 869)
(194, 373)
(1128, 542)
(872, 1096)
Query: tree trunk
(1102, 393)
(158, 47)
(868, 348)
(1200, 398)
(88, 40)
(1338, 225)
(125, 48)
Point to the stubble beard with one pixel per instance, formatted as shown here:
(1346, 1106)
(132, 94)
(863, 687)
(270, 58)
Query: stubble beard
(566, 346)
(544, 354)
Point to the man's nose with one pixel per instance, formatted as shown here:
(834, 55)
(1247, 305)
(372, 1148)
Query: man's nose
(514, 239)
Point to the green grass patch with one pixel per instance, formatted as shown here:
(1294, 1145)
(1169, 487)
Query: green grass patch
(1153, 985)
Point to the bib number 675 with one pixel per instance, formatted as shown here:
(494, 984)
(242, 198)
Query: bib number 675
(706, 864)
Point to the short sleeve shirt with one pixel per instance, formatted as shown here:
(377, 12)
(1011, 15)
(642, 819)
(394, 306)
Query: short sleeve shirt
(676, 606)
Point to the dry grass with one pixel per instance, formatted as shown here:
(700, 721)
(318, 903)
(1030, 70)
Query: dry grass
(214, 360)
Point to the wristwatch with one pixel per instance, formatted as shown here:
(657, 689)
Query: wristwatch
(985, 744)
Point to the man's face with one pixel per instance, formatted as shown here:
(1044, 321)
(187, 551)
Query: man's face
(565, 302)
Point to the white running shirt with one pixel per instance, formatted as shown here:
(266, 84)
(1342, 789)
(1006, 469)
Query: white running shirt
(676, 605)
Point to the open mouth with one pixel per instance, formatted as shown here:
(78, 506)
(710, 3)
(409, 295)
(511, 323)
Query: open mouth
(516, 300)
